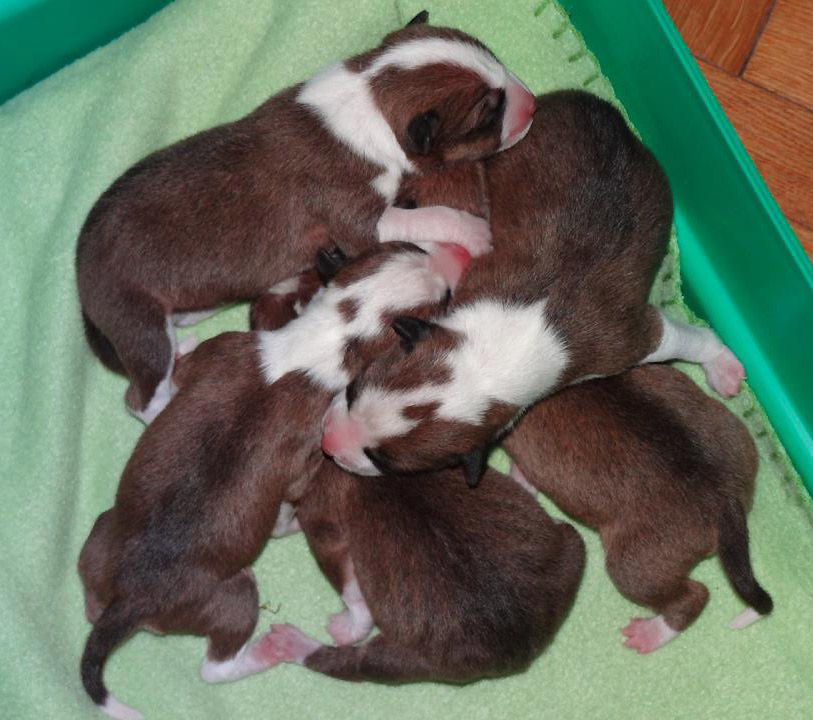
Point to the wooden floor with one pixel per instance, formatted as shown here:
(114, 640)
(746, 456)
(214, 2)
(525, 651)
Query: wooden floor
(757, 57)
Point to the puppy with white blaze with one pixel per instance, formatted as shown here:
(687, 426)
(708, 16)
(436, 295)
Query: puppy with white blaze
(581, 214)
(218, 471)
(225, 214)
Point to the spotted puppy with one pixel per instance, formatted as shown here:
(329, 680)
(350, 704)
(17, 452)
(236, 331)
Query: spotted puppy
(664, 473)
(461, 584)
(581, 214)
(214, 474)
(227, 213)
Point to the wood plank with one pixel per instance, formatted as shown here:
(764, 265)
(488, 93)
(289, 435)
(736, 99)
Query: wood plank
(805, 237)
(783, 58)
(778, 135)
(722, 32)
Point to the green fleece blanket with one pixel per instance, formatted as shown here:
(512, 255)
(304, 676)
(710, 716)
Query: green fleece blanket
(65, 436)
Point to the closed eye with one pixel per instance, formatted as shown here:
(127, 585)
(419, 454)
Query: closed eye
(351, 392)
(492, 108)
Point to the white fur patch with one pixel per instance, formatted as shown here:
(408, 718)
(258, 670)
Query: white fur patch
(747, 617)
(429, 51)
(681, 341)
(315, 341)
(119, 710)
(509, 354)
(246, 662)
(165, 389)
(286, 287)
(343, 101)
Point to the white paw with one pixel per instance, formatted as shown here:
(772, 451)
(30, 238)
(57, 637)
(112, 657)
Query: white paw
(343, 629)
(724, 373)
(470, 231)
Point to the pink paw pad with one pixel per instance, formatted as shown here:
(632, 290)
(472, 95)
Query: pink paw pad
(647, 634)
(284, 643)
(724, 373)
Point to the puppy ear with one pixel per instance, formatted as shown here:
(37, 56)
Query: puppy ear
(411, 330)
(421, 132)
(474, 465)
(329, 262)
(421, 18)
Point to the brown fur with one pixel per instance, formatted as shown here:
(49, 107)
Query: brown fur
(224, 214)
(201, 494)
(462, 584)
(580, 213)
(659, 469)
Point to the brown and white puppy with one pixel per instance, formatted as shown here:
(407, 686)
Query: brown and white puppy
(205, 486)
(227, 213)
(664, 473)
(580, 213)
(462, 584)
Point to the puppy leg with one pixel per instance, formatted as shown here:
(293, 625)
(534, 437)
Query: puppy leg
(355, 622)
(144, 339)
(229, 618)
(377, 659)
(93, 567)
(680, 341)
(652, 571)
(436, 224)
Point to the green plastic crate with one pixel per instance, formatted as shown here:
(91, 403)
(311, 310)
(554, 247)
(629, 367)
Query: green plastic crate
(743, 269)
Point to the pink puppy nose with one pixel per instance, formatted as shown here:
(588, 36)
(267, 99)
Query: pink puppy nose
(451, 260)
(342, 436)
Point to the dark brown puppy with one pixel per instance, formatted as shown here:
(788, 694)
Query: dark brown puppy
(225, 214)
(581, 214)
(664, 473)
(207, 481)
(462, 584)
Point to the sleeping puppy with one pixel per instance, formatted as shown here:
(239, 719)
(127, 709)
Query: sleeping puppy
(227, 213)
(212, 478)
(664, 473)
(581, 214)
(462, 584)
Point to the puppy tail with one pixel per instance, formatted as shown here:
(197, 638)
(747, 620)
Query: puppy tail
(114, 625)
(101, 346)
(736, 559)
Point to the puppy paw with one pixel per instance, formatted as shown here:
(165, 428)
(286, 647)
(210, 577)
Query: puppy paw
(344, 631)
(284, 643)
(472, 232)
(647, 634)
(724, 373)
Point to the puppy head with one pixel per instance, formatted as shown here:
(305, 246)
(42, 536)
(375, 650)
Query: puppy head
(445, 95)
(408, 411)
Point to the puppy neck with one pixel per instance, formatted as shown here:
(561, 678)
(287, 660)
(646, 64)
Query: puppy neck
(313, 343)
(343, 101)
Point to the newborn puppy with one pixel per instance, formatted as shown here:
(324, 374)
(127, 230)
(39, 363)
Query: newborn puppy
(580, 213)
(209, 480)
(227, 213)
(666, 476)
(462, 584)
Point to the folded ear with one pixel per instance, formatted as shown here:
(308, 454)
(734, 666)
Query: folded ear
(421, 132)
(474, 465)
(411, 330)
(421, 18)
(329, 262)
